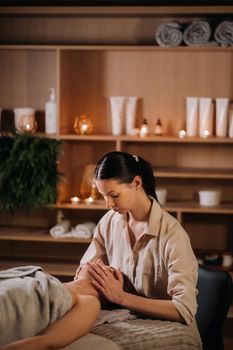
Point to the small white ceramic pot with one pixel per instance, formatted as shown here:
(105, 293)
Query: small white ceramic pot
(209, 198)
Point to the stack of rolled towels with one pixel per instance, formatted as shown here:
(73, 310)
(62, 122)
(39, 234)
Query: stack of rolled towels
(196, 33)
(64, 230)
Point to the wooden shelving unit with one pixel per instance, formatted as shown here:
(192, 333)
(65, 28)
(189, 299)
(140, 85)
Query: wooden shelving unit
(87, 66)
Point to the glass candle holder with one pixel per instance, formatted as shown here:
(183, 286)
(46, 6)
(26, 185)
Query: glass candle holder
(182, 133)
(75, 200)
(28, 124)
(83, 125)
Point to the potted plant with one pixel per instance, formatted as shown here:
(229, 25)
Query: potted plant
(28, 172)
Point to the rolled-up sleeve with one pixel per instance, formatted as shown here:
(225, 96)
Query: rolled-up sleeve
(182, 273)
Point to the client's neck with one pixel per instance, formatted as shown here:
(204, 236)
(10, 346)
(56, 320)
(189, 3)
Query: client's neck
(82, 286)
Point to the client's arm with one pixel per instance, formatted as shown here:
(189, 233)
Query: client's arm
(74, 324)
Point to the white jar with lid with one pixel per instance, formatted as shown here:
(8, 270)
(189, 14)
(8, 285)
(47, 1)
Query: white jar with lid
(209, 198)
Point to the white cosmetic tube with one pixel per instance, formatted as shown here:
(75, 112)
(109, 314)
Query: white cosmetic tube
(131, 109)
(230, 131)
(117, 104)
(191, 116)
(205, 116)
(222, 105)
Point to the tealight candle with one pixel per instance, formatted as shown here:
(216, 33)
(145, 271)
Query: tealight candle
(205, 133)
(144, 129)
(83, 125)
(75, 200)
(182, 134)
(28, 124)
(89, 200)
(84, 128)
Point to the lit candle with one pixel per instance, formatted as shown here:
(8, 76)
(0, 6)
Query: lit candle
(84, 128)
(182, 134)
(89, 200)
(144, 128)
(205, 133)
(27, 126)
(75, 200)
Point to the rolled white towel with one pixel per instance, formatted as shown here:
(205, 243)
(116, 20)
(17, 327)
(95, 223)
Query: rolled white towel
(60, 229)
(198, 32)
(224, 33)
(169, 34)
(84, 230)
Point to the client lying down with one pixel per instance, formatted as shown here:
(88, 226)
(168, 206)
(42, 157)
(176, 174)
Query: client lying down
(39, 312)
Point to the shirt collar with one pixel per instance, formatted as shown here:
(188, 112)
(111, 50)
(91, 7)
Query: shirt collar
(155, 216)
(154, 220)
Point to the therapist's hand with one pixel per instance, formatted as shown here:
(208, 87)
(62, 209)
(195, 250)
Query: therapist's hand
(109, 283)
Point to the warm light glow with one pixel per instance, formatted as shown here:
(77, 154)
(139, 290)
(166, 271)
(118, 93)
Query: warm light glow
(205, 133)
(75, 200)
(27, 126)
(143, 131)
(182, 133)
(83, 125)
(89, 200)
(136, 131)
(144, 128)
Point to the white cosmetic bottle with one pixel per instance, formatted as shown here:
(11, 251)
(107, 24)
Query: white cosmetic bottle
(51, 113)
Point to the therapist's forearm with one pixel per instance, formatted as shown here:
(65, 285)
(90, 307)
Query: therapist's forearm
(163, 309)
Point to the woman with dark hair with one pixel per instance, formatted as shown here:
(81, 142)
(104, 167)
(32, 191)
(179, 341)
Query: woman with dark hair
(145, 244)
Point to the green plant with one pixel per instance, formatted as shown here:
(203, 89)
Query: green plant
(28, 172)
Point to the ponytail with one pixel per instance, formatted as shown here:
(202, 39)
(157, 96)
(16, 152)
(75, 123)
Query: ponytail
(147, 176)
(123, 167)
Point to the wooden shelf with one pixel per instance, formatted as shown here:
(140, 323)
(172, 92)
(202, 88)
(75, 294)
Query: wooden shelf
(94, 206)
(149, 138)
(117, 47)
(35, 235)
(115, 10)
(196, 173)
(173, 206)
(75, 137)
(192, 207)
(175, 139)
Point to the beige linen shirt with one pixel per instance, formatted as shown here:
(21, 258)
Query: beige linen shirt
(161, 265)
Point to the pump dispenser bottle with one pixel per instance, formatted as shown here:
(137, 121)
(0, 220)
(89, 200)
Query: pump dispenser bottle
(51, 113)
